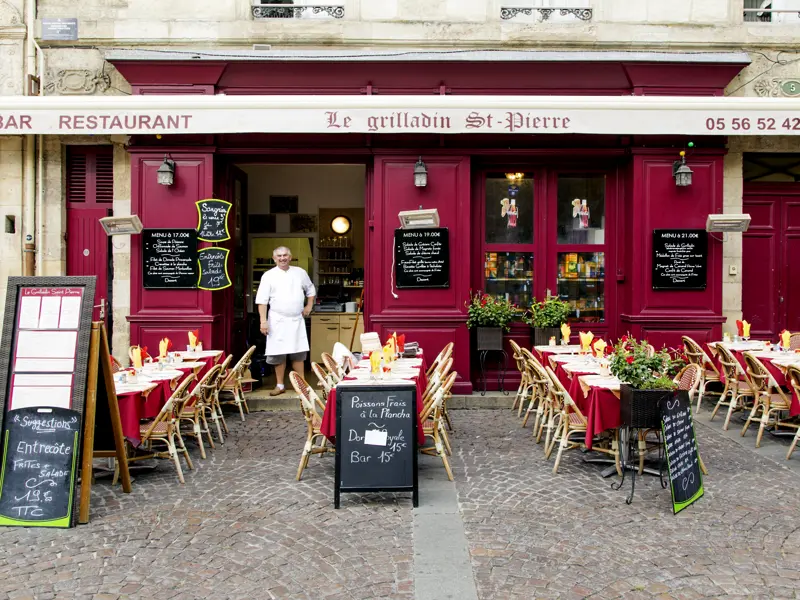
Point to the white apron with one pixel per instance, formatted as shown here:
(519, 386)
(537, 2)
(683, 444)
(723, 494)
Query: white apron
(287, 327)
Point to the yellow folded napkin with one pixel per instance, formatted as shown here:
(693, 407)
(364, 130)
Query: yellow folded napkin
(566, 332)
(599, 348)
(745, 329)
(586, 340)
(388, 355)
(192, 340)
(375, 362)
(162, 348)
(136, 356)
(785, 338)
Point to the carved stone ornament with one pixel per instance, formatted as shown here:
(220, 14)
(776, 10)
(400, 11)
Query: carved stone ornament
(73, 82)
(582, 14)
(774, 87)
(9, 15)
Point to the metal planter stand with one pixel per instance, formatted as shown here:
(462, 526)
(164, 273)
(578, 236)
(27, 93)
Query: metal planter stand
(490, 339)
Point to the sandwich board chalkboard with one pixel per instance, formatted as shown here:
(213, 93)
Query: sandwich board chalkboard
(376, 440)
(422, 258)
(169, 258)
(212, 220)
(680, 259)
(683, 460)
(45, 360)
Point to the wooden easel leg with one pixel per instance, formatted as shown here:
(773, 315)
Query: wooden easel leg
(89, 412)
(113, 409)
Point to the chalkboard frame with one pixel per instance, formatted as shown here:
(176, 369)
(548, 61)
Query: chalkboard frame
(414, 488)
(15, 284)
(200, 268)
(399, 284)
(684, 399)
(658, 283)
(200, 219)
(145, 283)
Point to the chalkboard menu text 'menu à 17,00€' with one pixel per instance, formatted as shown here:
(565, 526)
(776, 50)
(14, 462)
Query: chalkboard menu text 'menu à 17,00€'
(169, 258)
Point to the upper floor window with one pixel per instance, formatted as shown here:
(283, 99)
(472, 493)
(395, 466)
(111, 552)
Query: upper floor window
(297, 9)
(772, 11)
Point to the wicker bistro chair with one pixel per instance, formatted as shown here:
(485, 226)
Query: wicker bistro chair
(440, 359)
(769, 398)
(213, 408)
(436, 380)
(524, 387)
(165, 430)
(433, 425)
(334, 370)
(540, 388)
(194, 410)
(569, 421)
(310, 406)
(738, 392)
(325, 379)
(231, 391)
(708, 371)
(793, 379)
(116, 366)
(794, 341)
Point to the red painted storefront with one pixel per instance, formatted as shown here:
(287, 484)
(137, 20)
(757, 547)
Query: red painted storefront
(640, 193)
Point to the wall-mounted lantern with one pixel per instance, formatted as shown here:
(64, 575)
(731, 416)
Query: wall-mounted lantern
(420, 174)
(166, 172)
(681, 172)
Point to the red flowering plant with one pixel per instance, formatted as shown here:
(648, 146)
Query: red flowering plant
(678, 360)
(632, 363)
(484, 310)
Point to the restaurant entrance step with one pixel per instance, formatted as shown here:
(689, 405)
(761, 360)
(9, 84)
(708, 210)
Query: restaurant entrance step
(261, 400)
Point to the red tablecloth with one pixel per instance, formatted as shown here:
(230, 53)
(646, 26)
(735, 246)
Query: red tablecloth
(601, 412)
(134, 406)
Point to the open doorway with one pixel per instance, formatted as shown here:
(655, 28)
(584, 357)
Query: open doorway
(317, 211)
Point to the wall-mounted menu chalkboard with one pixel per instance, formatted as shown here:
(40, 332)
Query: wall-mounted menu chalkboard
(686, 479)
(680, 258)
(212, 220)
(213, 269)
(169, 258)
(38, 479)
(376, 439)
(422, 258)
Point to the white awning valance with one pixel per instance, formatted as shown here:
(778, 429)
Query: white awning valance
(619, 115)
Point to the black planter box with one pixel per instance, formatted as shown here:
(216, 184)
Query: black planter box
(490, 338)
(540, 336)
(640, 408)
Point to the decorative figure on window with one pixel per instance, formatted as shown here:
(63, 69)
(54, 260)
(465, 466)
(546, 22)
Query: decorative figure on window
(513, 213)
(584, 215)
(504, 203)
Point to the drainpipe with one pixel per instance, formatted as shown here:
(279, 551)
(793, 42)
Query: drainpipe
(39, 267)
(29, 150)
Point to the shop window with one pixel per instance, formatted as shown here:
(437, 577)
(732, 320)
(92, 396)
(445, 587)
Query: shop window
(581, 209)
(509, 209)
(581, 282)
(771, 167)
(509, 275)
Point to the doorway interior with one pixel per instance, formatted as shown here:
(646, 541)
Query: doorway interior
(318, 212)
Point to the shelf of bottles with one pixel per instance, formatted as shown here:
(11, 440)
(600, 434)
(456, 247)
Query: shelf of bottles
(581, 283)
(509, 275)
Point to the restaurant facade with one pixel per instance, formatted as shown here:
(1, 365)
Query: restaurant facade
(552, 173)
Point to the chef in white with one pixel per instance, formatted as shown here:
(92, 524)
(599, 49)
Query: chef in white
(290, 295)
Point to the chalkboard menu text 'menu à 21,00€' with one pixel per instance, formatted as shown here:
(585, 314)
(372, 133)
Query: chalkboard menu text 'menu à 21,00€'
(680, 258)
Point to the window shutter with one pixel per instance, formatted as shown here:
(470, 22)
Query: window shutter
(90, 175)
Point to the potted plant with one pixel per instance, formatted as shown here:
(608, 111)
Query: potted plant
(545, 319)
(489, 316)
(645, 381)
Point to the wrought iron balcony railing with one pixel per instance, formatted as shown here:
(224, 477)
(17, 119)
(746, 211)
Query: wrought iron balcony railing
(287, 9)
(772, 11)
(544, 13)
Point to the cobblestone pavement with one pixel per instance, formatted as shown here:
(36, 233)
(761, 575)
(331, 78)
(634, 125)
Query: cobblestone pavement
(241, 527)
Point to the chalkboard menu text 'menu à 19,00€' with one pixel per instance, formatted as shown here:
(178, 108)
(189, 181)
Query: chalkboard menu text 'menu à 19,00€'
(422, 258)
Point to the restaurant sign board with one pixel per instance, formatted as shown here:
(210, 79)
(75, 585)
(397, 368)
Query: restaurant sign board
(680, 259)
(43, 377)
(422, 258)
(602, 115)
(683, 460)
(212, 220)
(376, 439)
